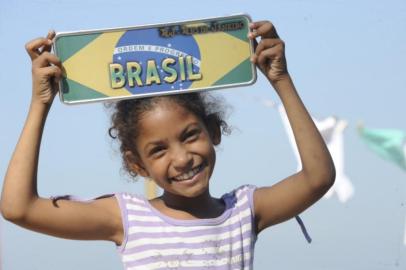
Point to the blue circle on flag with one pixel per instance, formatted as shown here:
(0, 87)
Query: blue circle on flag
(141, 45)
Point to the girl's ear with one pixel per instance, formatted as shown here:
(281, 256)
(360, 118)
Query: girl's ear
(135, 164)
(214, 129)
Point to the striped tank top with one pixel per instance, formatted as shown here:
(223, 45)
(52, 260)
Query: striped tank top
(156, 241)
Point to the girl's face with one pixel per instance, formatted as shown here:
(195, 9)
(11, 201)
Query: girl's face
(175, 149)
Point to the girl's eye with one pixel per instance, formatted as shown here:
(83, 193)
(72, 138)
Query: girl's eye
(192, 135)
(156, 151)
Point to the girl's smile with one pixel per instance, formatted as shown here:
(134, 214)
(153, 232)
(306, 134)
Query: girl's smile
(190, 175)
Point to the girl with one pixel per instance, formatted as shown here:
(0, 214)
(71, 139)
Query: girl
(170, 140)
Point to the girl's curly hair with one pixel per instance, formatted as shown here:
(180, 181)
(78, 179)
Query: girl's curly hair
(127, 114)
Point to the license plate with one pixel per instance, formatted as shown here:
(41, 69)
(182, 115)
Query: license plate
(151, 60)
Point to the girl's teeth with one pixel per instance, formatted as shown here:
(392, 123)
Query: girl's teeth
(188, 175)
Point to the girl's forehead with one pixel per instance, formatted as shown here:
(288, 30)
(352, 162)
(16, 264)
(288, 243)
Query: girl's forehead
(164, 116)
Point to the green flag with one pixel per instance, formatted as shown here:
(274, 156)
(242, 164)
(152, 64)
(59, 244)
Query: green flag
(389, 144)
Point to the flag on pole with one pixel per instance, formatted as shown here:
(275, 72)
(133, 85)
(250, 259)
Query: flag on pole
(332, 131)
(390, 144)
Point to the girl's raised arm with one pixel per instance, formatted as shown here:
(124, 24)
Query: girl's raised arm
(297, 192)
(20, 202)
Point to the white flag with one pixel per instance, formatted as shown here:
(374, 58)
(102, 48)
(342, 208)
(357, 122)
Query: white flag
(331, 129)
(404, 237)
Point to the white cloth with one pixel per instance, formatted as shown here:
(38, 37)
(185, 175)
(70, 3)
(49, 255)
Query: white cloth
(404, 237)
(331, 129)
(404, 149)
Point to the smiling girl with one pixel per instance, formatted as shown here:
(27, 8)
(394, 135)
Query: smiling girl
(170, 140)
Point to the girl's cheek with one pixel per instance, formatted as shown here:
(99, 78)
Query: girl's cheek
(160, 165)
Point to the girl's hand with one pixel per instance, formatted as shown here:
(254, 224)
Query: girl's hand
(270, 52)
(46, 69)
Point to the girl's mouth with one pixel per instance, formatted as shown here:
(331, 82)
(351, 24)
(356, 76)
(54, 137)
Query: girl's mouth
(189, 174)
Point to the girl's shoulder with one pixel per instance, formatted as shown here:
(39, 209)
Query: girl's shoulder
(243, 195)
(132, 197)
(241, 190)
(131, 201)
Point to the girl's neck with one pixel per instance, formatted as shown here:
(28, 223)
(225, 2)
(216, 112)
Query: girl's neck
(202, 206)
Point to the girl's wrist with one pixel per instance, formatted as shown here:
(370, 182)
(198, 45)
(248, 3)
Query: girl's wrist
(284, 82)
(37, 106)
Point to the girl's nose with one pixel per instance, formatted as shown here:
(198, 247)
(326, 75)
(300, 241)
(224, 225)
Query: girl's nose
(182, 160)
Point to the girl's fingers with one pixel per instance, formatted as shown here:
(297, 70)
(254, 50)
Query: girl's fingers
(264, 29)
(33, 46)
(37, 46)
(268, 43)
(47, 48)
(45, 59)
(268, 55)
(51, 71)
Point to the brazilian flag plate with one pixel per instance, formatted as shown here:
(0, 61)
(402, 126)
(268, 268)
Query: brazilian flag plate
(150, 60)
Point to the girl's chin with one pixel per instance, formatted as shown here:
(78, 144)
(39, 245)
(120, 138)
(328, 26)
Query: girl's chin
(192, 191)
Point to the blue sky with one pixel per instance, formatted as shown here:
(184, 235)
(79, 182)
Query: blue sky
(346, 58)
